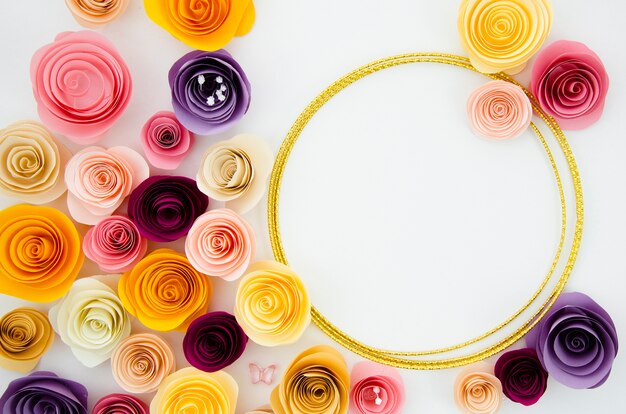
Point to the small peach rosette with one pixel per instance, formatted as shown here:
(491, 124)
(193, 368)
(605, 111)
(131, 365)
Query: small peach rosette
(25, 336)
(478, 392)
(95, 13)
(266, 409)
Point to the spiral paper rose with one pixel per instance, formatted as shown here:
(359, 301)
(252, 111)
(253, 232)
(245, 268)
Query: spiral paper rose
(164, 207)
(272, 304)
(164, 291)
(522, 377)
(236, 171)
(570, 83)
(81, 85)
(205, 24)
(210, 91)
(198, 392)
(40, 253)
(44, 392)
(32, 163)
(95, 13)
(120, 404)
(376, 389)
(98, 181)
(478, 392)
(221, 243)
(502, 35)
(316, 382)
(165, 141)
(25, 336)
(262, 410)
(499, 110)
(576, 341)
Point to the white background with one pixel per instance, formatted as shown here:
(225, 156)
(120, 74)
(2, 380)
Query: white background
(409, 231)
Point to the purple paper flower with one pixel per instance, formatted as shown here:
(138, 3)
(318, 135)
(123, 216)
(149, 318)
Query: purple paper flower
(210, 91)
(44, 392)
(576, 341)
(523, 378)
(214, 341)
(164, 207)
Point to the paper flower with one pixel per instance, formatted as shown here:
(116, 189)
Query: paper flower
(25, 336)
(98, 181)
(32, 163)
(236, 171)
(81, 85)
(576, 341)
(266, 409)
(199, 392)
(376, 389)
(502, 35)
(221, 243)
(570, 83)
(522, 377)
(95, 13)
(44, 392)
(164, 291)
(141, 362)
(120, 404)
(499, 110)
(214, 341)
(164, 207)
(478, 392)
(210, 91)
(272, 304)
(316, 382)
(40, 253)
(165, 141)
(207, 25)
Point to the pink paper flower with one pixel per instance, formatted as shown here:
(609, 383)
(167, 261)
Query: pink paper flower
(570, 83)
(165, 141)
(81, 85)
(376, 389)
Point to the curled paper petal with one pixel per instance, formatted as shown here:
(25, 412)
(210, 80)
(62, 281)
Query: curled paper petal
(499, 110)
(502, 35)
(81, 85)
(376, 389)
(98, 181)
(40, 254)
(164, 291)
(522, 377)
(478, 392)
(210, 91)
(32, 163)
(141, 362)
(165, 141)
(199, 392)
(25, 336)
(266, 409)
(95, 13)
(120, 404)
(272, 304)
(91, 320)
(236, 171)
(316, 382)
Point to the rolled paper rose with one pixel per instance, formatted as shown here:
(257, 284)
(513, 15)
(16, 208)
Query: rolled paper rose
(32, 163)
(207, 25)
(141, 362)
(115, 244)
(570, 83)
(25, 336)
(236, 171)
(164, 207)
(120, 404)
(266, 409)
(316, 382)
(165, 141)
(376, 389)
(81, 85)
(576, 341)
(272, 304)
(499, 110)
(478, 392)
(44, 392)
(199, 392)
(221, 243)
(502, 35)
(164, 291)
(91, 320)
(210, 91)
(522, 377)
(40, 254)
(95, 13)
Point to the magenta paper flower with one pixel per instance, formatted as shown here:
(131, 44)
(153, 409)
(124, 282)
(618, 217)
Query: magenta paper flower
(523, 378)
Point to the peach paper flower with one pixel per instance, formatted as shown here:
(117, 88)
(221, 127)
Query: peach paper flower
(266, 409)
(25, 336)
(478, 392)
(95, 13)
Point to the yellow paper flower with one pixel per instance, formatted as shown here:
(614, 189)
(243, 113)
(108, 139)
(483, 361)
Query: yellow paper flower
(272, 305)
(164, 291)
(502, 35)
(316, 382)
(194, 391)
(25, 336)
(203, 24)
(40, 253)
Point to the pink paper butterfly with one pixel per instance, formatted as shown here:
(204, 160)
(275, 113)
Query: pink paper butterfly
(258, 374)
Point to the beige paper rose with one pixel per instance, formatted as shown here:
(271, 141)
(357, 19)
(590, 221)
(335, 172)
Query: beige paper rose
(478, 392)
(266, 409)
(95, 13)
(25, 336)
